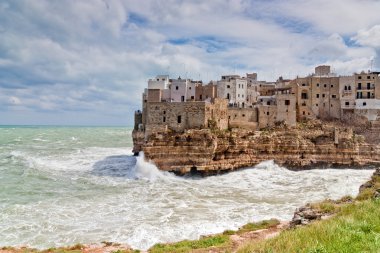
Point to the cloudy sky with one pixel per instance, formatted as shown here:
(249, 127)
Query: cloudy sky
(86, 62)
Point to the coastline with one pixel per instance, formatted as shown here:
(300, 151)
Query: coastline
(209, 152)
(235, 240)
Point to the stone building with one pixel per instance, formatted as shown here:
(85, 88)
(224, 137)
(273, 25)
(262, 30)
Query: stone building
(347, 93)
(318, 95)
(205, 92)
(367, 88)
(179, 116)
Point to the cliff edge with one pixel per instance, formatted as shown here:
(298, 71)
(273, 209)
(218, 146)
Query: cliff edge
(209, 151)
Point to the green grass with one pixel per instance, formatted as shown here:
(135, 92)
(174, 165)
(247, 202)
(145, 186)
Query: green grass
(188, 246)
(219, 241)
(356, 228)
(258, 225)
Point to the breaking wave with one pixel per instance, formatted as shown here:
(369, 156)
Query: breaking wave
(69, 192)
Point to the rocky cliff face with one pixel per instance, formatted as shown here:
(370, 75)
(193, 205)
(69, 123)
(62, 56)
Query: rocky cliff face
(209, 151)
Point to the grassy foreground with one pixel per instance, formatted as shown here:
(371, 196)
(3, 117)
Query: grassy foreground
(356, 228)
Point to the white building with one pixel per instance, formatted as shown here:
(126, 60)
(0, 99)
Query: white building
(233, 88)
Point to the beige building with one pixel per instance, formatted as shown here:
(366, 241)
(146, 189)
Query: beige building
(179, 116)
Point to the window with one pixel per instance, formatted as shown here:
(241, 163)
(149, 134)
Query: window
(368, 77)
(303, 112)
(176, 87)
(287, 102)
(163, 79)
(303, 84)
(332, 85)
(164, 119)
(238, 95)
(242, 96)
(164, 112)
(242, 86)
(192, 97)
(182, 98)
(345, 87)
(333, 96)
(267, 113)
(179, 119)
(349, 87)
(189, 88)
(228, 86)
(200, 97)
(303, 95)
(325, 85)
(317, 84)
(158, 79)
(317, 95)
(347, 103)
(228, 95)
(268, 103)
(359, 86)
(239, 85)
(359, 77)
(323, 95)
(331, 105)
(316, 105)
(364, 103)
(243, 115)
(368, 86)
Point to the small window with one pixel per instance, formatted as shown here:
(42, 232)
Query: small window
(238, 95)
(317, 95)
(200, 97)
(331, 105)
(179, 119)
(189, 88)
(164, 112)
(323, 95)
(176, 87)
(303, 95)
(333, 96)
(287, 102)
(325, 85)
(228, 86)
(267, 113)
(359, 77)
(332, 85)
(316, 105)
(158, 79)
(368, 77)
(317, 84)
(243, 115)
(364, 103)
(347, 103)
(303, 113)
(192, 97)
(268, 103)
(164, 119)
(349, 87)
(303, 84)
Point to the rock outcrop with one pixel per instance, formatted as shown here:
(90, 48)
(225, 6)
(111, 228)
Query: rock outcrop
(209, 152)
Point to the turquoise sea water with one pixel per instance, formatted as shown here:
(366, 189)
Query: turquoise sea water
(65, 185)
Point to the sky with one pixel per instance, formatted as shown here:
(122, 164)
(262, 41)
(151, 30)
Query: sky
(86, 62)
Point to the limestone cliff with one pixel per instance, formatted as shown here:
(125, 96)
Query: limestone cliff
(211, 151)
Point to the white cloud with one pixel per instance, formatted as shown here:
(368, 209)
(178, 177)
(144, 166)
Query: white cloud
(94, 57)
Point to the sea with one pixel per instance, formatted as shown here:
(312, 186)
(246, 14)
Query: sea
(65, 185)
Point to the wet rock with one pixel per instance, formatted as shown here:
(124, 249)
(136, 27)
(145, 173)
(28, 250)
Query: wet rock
(304, 215)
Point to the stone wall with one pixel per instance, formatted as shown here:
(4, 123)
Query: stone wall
(267, 115)
(175, 116)
(246, 118)
(286, 109)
